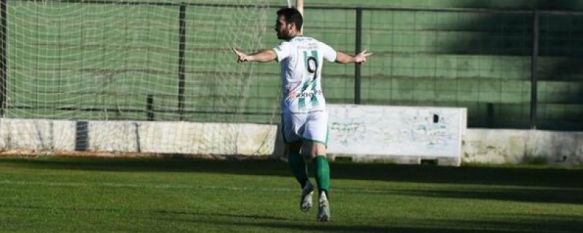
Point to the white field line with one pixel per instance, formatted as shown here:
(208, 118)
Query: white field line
(234, 188)
(130, 185)
(173, 186)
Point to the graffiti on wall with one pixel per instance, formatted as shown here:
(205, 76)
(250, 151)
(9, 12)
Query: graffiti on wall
(395, 130)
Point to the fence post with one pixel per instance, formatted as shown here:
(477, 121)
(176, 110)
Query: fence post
(534, 70)
(358, 49)
(181, 63)
(150, 107)
(3, 59)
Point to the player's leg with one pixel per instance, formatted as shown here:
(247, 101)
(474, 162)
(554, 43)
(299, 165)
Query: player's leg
(317, 151)
(314, 148)
(300, 171)
(295, 160)
(297, 163)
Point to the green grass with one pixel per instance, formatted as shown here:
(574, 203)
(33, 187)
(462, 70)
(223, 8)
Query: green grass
(154, 195)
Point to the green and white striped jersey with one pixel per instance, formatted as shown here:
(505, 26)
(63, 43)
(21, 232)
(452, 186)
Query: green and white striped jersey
(301, 60)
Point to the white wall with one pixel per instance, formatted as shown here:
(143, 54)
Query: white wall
(522, 146)
(492, 146)
(134, 136)
(398, 133)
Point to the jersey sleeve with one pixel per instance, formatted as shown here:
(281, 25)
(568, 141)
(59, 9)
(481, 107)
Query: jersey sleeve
(328, 52)
(282, 51)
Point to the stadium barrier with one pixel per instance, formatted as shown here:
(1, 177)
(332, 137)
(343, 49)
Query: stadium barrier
(62, 136)
(504, 146)
(136, 138)
(397, 134)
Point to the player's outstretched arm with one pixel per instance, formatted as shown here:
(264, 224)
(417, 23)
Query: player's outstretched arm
(344, 58)
(265, 55)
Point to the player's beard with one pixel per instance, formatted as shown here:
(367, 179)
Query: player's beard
(283, 36)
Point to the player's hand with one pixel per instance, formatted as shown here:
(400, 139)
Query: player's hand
(361, 57)
(241, 57)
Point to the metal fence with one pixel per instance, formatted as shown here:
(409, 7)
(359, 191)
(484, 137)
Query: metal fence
(510, 68)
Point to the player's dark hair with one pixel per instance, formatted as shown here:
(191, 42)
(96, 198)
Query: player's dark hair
(291, 15)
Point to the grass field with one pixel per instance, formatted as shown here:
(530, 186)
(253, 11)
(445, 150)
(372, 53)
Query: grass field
(154, 195)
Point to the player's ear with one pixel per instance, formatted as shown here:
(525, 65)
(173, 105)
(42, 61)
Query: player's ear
(291, 25)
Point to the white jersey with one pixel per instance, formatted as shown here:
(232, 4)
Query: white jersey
(301, 60)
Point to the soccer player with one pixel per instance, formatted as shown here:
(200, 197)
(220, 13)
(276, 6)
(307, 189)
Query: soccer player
(304, 116)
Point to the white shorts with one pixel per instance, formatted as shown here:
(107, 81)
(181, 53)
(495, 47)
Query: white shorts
(311, 126)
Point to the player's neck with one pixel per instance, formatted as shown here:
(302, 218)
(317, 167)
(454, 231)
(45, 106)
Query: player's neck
(293, 35)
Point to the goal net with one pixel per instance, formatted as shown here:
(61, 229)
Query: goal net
(136, 60)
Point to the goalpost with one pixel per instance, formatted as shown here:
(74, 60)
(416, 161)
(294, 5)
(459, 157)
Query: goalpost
(300, 6)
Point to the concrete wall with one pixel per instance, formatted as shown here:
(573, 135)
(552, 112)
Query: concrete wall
(37, 135)
(479, 145)
(136, 136)
(522, 146)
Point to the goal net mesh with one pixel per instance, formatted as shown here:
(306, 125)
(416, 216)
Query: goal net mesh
(130, 60)
(78, 73)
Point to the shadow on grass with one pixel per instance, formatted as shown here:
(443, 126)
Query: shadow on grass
(245, 216)
(531, 223)
(241, 222)
(525, 223)
(519, 176)
(535, 195)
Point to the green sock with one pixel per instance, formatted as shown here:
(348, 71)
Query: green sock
(322, 173)
(298, 167)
